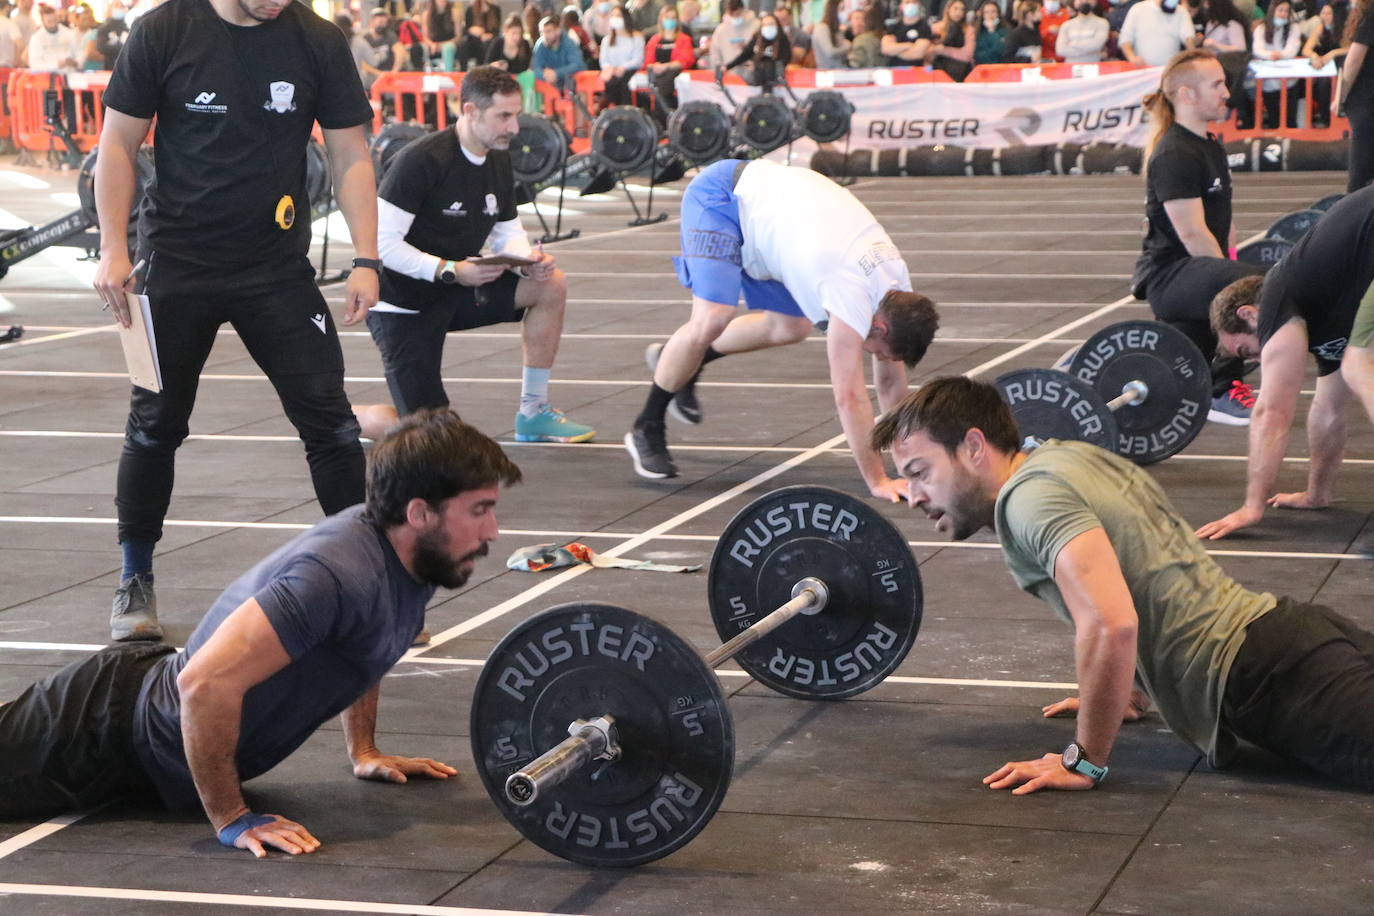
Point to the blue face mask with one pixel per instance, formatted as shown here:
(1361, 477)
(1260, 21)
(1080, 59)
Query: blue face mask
(1280, 21)
(769, 32)
(669, 25)
(118, 15)
(911, 10)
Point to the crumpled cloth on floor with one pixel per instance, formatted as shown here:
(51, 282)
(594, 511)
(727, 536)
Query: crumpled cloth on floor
(551, 556)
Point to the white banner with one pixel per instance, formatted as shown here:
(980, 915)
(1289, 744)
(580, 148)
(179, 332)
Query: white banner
(1102, 109)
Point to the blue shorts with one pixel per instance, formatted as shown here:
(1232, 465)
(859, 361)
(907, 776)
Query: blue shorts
(711, 265)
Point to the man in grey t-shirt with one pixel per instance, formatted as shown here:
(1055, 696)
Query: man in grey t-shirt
(305, 635)
(1095, 537)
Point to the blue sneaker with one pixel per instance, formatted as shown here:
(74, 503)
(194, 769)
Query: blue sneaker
(1233, 408)
(550, 425)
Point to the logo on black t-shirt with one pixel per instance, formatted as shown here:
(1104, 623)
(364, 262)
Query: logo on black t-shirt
(204, 103)
(1331, 351)
(490, 208)
(1215, 186)
(283, 96)
(455, 209)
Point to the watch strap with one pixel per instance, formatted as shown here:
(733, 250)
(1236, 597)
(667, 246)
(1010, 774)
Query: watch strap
(373, 263)
(1086, 767)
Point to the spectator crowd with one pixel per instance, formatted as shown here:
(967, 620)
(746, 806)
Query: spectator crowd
(648, 42)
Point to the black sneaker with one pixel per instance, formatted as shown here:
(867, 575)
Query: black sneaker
(684, 407)
(647, 444)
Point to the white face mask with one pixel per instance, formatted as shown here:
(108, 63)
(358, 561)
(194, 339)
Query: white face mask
(1051, 6)
(1280, 21)
(769, 32)
(618, 23)
(737, 21)
(603, 8)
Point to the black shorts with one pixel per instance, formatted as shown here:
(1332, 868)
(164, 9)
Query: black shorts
(68, 739)
(1184, 290)
(412, 345)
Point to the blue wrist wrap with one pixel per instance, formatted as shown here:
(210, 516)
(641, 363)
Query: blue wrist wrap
(230, 832)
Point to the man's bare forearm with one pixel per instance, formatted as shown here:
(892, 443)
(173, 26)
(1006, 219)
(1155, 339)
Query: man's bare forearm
(210, 724)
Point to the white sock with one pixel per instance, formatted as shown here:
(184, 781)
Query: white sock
(534, 390)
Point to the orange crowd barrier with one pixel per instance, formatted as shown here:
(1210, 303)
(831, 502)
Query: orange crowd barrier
(412, 96)
(87, 111)
(1022, 73)
(6, 128)
(79, 98)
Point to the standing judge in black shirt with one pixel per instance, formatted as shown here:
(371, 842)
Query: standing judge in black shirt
(1319, 299)
(1183, 262)
(1357, 94)
(442, 199)
(224, 233)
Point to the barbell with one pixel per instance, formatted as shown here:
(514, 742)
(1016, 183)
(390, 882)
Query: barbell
(604, 738)
(1139, 388)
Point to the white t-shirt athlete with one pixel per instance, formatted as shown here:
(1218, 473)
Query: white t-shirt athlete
(814, 237)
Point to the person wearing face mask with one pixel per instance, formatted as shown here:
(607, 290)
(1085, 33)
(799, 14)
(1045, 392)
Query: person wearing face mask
(907, 41)
(597, 19)
(728, 40)
(666, 54)
(1156, 30)
(622, 56)
(373, 50)
(1083, 39)
(1023, 42)
(1055, 15)
(1278, 38)
(1116, 17)
(109, 38)
(992, 34)
(769, 52)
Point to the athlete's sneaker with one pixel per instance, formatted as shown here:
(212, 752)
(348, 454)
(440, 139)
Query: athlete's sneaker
(647, 444)
(1063, 362)
(550, 425)
(1233, 408)
(684, 407)
(134, 615)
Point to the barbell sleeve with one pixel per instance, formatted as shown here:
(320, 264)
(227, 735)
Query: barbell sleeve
(587, 740)
(1133, 392)
(808, 595)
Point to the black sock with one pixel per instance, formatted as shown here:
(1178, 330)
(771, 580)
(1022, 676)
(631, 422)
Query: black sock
(711, 354)
(655, 406)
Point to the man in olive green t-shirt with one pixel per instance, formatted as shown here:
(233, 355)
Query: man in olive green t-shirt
(1096, 538)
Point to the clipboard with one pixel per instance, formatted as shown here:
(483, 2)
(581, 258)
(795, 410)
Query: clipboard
(503, 260)
(140, 345)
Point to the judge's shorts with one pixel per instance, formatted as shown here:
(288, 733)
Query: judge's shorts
(712, 265)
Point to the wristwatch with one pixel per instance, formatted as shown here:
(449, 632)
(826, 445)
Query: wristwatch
(368, 262)
(1076, 761)
(448, 272)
